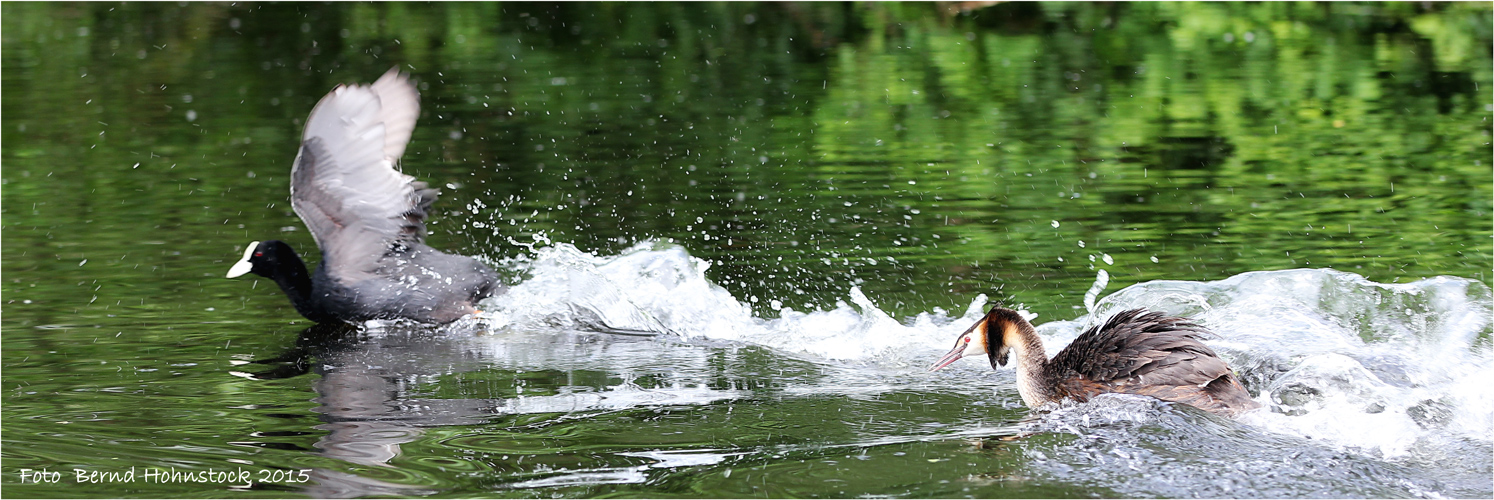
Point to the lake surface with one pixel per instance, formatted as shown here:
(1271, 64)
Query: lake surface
(804, 203)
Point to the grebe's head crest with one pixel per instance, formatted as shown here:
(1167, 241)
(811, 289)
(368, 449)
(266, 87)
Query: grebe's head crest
(984, 337)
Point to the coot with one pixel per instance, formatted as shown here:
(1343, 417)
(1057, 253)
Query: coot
(368, 218)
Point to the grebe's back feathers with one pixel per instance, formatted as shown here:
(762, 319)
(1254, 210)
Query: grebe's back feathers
(1139, 343)
(1149, 353)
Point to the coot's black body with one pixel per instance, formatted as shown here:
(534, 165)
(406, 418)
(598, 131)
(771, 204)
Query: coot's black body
(367, 218)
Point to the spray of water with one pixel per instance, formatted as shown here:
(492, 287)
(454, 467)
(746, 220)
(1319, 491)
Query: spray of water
(1394, 369)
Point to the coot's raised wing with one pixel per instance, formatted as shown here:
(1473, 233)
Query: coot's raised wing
(344, 183)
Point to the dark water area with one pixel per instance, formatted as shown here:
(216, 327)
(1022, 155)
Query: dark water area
(808, 198)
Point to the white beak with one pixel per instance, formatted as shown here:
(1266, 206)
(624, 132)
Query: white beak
(243, 266)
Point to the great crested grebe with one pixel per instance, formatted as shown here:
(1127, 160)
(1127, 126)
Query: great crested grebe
(367, 218)
(1135, 352)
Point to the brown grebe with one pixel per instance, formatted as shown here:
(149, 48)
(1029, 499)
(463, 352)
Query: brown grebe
(1135, 352)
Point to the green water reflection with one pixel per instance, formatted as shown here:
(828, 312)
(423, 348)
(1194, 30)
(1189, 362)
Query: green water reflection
(919, 152)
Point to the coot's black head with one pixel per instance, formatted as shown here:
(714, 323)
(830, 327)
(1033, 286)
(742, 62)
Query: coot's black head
(264, 258)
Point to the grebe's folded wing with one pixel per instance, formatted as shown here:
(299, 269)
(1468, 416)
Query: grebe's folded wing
(1149, 346)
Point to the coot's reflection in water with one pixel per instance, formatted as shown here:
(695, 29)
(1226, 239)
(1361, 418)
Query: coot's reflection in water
(381, 385)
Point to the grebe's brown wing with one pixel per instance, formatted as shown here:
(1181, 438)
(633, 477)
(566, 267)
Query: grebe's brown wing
(1152, 354)
(1137, 343)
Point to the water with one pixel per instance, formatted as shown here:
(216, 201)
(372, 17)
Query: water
(792, 209)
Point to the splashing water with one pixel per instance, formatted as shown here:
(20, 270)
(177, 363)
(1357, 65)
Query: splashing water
(659, 287)
(1102, 280)
(1342, 358)
(1393, 371)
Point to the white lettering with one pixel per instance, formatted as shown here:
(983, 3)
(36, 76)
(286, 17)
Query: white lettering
(87, 476)
(40, 476)
(168, 475)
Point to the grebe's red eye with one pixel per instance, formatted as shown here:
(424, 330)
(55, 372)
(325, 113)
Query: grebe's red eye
(966, 339)
(262, 254)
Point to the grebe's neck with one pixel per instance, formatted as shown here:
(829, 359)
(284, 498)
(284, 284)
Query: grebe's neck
(1018, 336)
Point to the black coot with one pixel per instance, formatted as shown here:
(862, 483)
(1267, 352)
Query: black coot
(367, 218)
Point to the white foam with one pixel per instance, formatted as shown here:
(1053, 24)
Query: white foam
(1380, 367)
(1337, 357)
(659, 287)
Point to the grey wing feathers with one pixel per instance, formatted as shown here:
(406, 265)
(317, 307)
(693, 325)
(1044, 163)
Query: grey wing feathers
(344, 183)
(1135, 343)
(399, 107)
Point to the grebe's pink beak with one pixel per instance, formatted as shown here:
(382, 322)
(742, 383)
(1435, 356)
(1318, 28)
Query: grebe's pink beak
(954, 355)
(966, 343)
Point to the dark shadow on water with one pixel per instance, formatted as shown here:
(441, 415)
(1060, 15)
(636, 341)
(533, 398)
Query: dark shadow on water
(381, 387)
(357, 403)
